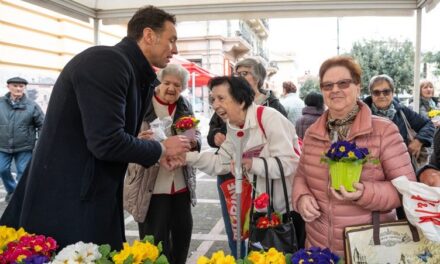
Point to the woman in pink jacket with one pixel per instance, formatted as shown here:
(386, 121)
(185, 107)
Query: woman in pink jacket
(327, 211)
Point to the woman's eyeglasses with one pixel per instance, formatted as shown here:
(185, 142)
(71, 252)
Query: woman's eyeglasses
(342, 84)
(241, 74)
(385, 92)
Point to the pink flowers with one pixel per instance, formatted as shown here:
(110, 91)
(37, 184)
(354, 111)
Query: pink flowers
(28, 248)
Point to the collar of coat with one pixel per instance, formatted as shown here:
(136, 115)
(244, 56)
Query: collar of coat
(20, 104)
(362, 125)
(141, 65)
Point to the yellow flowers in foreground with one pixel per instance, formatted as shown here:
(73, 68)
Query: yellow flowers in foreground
(140, 252)
(255, 257)
(8, 234)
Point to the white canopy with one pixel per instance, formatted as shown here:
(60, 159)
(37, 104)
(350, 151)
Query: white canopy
(119, 12)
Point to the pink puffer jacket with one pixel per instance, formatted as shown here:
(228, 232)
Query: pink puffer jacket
(384, 142)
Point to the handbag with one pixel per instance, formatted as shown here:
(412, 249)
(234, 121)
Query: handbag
(423, 157)
(392, 242)
(281, 237)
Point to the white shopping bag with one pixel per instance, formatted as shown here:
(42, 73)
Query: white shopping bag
(422, 206)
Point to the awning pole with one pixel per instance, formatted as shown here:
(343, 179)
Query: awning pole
(193, 78)
(417, 56)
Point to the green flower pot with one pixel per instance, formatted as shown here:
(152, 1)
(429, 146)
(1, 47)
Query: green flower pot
(345, 174)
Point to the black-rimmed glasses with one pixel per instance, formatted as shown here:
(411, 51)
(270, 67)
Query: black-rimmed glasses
(342, 84)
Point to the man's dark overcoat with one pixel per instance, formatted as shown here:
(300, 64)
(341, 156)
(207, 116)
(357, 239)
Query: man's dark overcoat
(72, 189)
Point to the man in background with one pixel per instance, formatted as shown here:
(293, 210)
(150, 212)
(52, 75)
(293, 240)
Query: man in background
(20, 121)
(72, 190)
(291, 102)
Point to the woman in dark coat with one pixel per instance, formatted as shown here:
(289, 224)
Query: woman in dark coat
(382, 103)
(72, 189)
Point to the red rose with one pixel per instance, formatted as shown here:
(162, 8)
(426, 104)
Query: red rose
(275, 220)
(261, 201)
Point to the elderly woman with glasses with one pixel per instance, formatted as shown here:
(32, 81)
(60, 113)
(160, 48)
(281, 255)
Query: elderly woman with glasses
(233, 101)
(327, 211)
(255, 74)
(160, 200)
(383, 103)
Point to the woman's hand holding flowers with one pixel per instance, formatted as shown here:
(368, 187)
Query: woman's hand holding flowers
(350, 196)
(308, 208)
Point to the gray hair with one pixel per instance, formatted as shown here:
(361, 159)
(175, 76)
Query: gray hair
(175, 70)
(381, 78)
(258, 70)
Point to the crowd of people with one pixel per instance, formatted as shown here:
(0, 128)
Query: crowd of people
(100, 149)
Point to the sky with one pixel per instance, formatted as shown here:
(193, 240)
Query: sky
(312, 40)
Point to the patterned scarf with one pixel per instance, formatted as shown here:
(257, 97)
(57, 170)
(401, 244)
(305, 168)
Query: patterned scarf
(388, 113)
(339, 128)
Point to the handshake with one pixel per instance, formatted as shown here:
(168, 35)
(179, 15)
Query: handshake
(175, 149)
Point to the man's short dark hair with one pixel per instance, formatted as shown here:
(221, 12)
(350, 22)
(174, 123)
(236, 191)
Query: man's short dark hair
(239, 88)
(149, 16)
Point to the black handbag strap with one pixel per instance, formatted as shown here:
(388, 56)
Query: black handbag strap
(270, 193)
(283, 180)
(376, 229)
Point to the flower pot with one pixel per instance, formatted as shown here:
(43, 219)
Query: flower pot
(345, 174)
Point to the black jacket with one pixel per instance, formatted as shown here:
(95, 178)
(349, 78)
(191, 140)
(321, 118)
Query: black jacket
(72, 190)
(421, 124)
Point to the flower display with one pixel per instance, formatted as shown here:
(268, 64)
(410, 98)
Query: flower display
(185, 123)
(140, 252)
(81, 252)
(218, 257)
(261, 257)
(433, 113)
(9, 234)
(261, 202)
(344, 151)
(29, 249)
(314, 255)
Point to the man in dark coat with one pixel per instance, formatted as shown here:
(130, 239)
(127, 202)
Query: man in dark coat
(72, 189)
(20, 121)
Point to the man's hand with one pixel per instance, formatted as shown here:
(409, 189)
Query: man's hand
(176, 145)
(430, 177)
(308, 208)
(350, 196)
(414, 147)
(219, 138)
(172, 162)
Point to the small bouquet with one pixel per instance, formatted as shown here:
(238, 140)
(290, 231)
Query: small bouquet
(434, 114)
(315, 255)
(265, 221)
(9, 234)
(345, 160)
(186, 126)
